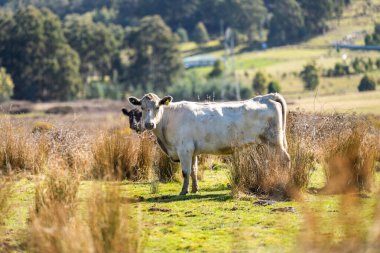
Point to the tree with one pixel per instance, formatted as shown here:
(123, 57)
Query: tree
(6, 85)
(97, 45)
(367, 84)
(259, 83)
(182, 34)
(274, 86)
(200, 34)
(287, 23)
(36, 54)
(310, 76)
(155, 59)
(246, 16)
(217, 70)
(316, 14)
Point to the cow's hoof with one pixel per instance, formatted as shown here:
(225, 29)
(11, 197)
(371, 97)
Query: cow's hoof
(194, 190)
(183, 193)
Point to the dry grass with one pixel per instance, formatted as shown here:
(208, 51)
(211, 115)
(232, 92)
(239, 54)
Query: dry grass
(5, 194)
(57, 227)
(16, 151)
(256, 170)
(349, 230)
(166, 170)
(350, 161)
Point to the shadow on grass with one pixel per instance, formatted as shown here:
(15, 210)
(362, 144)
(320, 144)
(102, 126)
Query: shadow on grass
(175, 198)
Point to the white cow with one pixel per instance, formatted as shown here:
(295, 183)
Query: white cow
(187, 129)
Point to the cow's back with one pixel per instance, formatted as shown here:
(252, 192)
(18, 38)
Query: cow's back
(214, 128)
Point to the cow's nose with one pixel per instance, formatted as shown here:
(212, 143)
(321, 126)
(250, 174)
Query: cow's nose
(149, 126)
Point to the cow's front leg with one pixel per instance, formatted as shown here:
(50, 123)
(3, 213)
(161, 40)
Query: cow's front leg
(194, 172)
(185, 158)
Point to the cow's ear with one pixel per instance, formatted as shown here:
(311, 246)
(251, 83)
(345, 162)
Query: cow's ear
(125, 111)
(166, 100)
(134, 101)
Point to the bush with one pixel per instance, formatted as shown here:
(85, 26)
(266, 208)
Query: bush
(182, 34)
(367, 83)
(217, 70)
(259, 83)
(200, 34)
(273, 87)
(6, 85)
(358, 65)
(166, 170)
(310, 77)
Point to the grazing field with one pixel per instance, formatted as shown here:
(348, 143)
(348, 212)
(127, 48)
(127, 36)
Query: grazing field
(83, 177)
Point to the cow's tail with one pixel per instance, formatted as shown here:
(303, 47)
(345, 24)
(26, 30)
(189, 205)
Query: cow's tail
(280, 99)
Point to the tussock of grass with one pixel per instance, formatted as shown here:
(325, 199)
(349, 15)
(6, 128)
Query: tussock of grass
(16, 152)
(357, 233)
(166, 170)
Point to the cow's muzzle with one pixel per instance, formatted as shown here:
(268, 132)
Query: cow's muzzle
(150, 126)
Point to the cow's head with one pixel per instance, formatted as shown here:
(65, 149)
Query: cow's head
(152, 109)
(134, 116)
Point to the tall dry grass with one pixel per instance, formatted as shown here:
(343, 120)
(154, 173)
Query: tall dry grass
(350, 159)
(166, 170)
(118, 156)
(354, 227)
(16, 151)
(256, 170)
(103, 225)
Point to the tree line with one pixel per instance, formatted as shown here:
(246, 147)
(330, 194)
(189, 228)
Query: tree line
(61, 50)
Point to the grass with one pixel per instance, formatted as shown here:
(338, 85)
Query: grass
(211, 221)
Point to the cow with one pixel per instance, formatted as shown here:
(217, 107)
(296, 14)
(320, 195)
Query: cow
(134, 116)
(187, 129)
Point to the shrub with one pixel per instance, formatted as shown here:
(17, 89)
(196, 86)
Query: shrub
(367, 83)
(200, 34)
(259, 83)
(273, 87)
(6, 85)
(310, 77)
(182, 34)
(217, 70)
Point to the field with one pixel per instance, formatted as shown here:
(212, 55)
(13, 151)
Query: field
(213, 220)
(284, 63)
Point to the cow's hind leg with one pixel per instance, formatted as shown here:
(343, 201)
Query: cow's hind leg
(194, 172)
(186, 159)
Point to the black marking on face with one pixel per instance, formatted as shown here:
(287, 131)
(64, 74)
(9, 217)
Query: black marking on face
(134, 116)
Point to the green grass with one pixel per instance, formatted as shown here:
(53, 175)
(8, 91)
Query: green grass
(210, 221)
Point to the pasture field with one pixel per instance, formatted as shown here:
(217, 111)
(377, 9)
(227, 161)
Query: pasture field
(213, 220)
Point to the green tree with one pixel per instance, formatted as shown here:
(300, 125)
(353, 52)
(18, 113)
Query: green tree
(287, 23)
(247, 16)
(182, 34)
(367, 84)
(217, 70)
(259, 83)
(200, 34)
(36, 54)
(6, 85)
(310, 76)
(273, 87)
(98, 45)
(316, 14)
(155, 59)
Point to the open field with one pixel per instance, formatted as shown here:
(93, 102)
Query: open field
(212, 220)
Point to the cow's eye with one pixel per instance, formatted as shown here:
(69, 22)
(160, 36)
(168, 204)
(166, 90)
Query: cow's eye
(157, 107)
